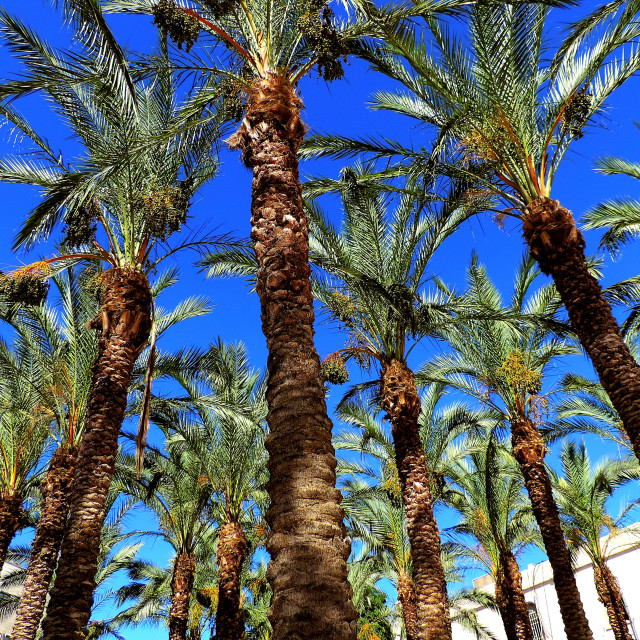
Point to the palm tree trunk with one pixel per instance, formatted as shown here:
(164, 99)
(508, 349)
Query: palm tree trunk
(307, 544)
(46, 545)
(401, 401)
(407, 596)
(611, 597)
(510, 599)
(231, 554)
(184, 573)
(558, 246)
(125, 321)
(10, 517)
(529, 450)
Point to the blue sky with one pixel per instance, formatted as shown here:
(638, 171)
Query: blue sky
(338, 108)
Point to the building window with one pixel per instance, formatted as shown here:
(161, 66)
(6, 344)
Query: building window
(536, 625)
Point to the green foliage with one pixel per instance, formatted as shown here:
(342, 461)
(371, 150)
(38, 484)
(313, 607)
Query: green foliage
(374, 615)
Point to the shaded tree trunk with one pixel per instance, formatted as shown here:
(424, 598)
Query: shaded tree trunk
(184, 573)
(401, 401)
(510, 599)
(407, 597)
(529, 450)
(307, 544)
(231, 554)
(558, 246)
(46, 545)
(611, 597)
(10, 518)
(124, 320)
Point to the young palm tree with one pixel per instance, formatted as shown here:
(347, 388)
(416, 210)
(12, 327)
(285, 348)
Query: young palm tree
(501, 104)
(488, 496)
(583, 491)
(503, 368)
(132, 191)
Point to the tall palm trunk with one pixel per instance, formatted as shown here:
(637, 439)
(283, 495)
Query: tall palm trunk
(124, 320)
(231, 554)
(46, 545)
(611, 597)
(529, 451)
(184, 573)
(10, 517)
(308, 547)
(407, 598)
(401, 401)
(558, 246)
(510, 599)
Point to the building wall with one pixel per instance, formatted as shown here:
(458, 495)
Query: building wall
(537, 581)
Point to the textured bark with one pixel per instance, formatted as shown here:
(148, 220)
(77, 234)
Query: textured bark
(558, 246)
(611, 597)
(407, 597)
(46, 545)
(231, 554)
(124, 320)
(401, 401)
(184, 573)
(529, 450)
(10, 518)
(510, 599)
(307, 544)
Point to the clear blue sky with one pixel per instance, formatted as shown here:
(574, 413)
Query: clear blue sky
(338, 108)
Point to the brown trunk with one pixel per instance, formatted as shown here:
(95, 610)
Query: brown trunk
(124, 320)
(401, 402)
(510, 599)
(46, 545)
(407, 597)
(10, 518)
(232, 550)
(184, 573)
(611, 597)
(307, 544)
(558, 246)
(529, 450)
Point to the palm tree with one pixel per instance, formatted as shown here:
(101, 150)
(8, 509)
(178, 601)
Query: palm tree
(225, 432)
(63, 352)
(271, 46)
(375, 267)
(583, 491)
(503, 368)
(500, 104)
(128, 187)
(492, 511)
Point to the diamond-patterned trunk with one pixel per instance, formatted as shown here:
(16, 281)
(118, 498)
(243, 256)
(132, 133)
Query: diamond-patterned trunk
(510, 599)
(307, 544)
(611, 597)
(184, 573)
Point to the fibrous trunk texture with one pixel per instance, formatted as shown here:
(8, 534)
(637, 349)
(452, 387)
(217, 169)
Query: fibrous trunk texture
(558, 246)
(231, 553)
(529, 451)
(46, 545)
(611, 597)
(307, 544)
(124, 320)
(184, 572)
(407, 598)
(510, 599)
(401, 401)
(10, 518)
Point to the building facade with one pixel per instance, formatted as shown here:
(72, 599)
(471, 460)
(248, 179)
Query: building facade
(544, 611)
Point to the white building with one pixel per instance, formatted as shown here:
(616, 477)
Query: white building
(544, 611)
